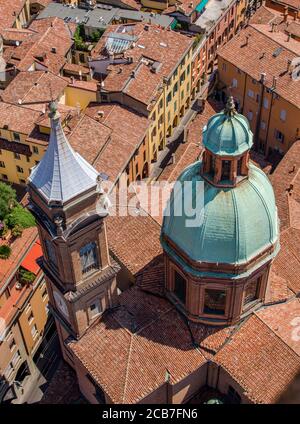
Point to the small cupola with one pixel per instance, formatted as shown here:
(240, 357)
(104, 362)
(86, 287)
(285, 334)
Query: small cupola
(227, 139)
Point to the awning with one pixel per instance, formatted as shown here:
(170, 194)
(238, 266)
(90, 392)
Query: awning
(29, 262)
(201, 5)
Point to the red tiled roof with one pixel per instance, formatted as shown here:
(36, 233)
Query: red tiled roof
(18, 118)
(260, 361)
(130, 352)
(139, 231)
(34, 87)
(157, 44)
(9, 11)
(257, 56)
(284, 320)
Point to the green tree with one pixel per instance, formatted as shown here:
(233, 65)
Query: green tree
(8, 199)
(5, 251)
(20, 217)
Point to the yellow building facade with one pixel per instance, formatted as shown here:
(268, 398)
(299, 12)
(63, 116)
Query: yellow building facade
(171, 106)
(274, 121)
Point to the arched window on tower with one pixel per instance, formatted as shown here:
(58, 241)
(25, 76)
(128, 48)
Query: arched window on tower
(226, 169)
(51, 252)
(88, 257)
(214, 302)
(180, 286)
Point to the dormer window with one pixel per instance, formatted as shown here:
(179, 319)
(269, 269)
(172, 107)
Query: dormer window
(88, 257)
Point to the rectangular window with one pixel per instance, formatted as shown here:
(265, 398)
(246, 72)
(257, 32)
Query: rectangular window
(175, 88)
(175, 106)
(180, 286)
(250, 115)
(279, 136)
(17, 156)
(44, 295)
(30, 318)
(2, 164)
(214, 302)
(19, 169)
(283, 115)
(34, 331)
(88, 257)
(266, 103)
(12, 345)
(95, 309)
(234, 83)
(169, 98)
(35, 150)
(4, 177)
(224, 67)
(16, 136)
(263, 125)
(250, 93)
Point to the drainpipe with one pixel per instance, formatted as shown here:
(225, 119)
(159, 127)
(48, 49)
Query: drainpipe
(262, 81)
(269, 119)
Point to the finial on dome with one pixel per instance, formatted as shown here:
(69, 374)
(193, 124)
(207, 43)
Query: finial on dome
(53, 112)
(230, 107)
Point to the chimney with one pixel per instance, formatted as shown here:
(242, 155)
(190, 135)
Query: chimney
(274, 82)
(289, 37)
(286, 14)
(273, 25)
(247, 40)
(80, 75)
(289, 64)
(263, 77)
(72, 80)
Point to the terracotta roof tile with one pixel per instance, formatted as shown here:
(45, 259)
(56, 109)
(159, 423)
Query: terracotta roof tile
(260, 361)
(250, 58)
(9, 10)
(34, 87)
(18, 118)
(284, 320)
(139, 231)
(154, 44)
(121, 352)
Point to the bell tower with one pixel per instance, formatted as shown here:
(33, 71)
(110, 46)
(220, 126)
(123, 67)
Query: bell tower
(68, 203)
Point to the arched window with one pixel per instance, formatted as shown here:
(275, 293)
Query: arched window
(226, 169)
(214, 302)
(180, 287)
(50, 252)
(88, 257)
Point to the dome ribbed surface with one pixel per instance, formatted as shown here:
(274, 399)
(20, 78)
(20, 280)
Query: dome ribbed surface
(227, 134)
(236, 223)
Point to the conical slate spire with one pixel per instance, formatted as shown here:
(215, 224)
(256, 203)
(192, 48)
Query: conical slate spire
(62, 174)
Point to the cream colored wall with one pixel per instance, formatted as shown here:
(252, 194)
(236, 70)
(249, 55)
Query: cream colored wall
(26, 163)
(74, 95)
(36, 305)
(270, 116)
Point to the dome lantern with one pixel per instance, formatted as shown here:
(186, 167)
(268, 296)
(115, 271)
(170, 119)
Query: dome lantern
(227, 139)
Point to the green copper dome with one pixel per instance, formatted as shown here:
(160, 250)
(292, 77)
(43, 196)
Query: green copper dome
(228, 133)
(236, 224)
